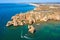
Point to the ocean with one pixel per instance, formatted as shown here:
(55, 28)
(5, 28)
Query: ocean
(45, 31)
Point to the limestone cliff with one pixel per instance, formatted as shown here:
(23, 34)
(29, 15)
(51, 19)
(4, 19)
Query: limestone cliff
(40, 13)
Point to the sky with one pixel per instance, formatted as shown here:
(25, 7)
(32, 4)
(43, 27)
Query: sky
(22, 1)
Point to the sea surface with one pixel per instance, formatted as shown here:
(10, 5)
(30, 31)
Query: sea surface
(44, 31)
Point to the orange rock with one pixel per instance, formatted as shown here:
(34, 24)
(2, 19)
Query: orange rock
(31, 29)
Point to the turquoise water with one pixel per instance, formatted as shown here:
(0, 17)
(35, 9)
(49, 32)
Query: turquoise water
(48, 30)
(8, 10)
(45, 31)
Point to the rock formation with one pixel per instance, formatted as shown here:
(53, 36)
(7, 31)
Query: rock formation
(31, 29)
(41, 13)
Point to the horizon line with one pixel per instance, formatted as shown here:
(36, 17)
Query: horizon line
(29, 2)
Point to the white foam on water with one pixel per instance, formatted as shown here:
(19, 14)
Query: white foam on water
(26, 37)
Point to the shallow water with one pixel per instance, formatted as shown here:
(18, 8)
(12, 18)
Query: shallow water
(44, 31)
(48, 30)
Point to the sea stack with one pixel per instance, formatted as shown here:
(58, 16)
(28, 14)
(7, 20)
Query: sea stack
(31, 29)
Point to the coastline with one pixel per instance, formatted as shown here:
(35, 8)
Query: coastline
(34, 4)
(41, 13)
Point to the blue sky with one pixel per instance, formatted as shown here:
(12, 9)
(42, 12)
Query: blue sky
(20, 1)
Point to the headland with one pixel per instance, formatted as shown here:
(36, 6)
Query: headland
(41, 13)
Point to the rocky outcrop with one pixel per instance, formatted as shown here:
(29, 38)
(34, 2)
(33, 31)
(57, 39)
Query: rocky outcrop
(31, 29)
(41, 13)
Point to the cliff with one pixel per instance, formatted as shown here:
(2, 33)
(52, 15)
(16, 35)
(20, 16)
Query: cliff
(39, 14)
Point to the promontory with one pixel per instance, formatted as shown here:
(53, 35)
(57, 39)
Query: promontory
(41, 13)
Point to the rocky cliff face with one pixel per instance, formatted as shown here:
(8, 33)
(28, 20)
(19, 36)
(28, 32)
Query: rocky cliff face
(41, 13)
